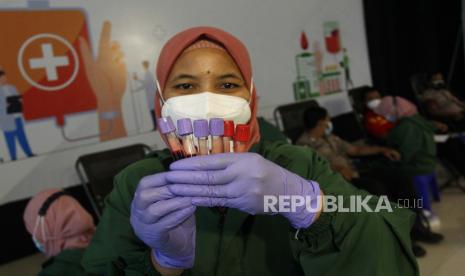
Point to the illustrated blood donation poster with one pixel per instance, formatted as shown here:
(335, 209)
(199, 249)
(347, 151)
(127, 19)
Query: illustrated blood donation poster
(59, 88)
(322, 66)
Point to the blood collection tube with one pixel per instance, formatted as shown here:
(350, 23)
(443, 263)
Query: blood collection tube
(241, 137)
(201, 132)
(185, 131)
(217, 132)
(228, 135)
(168, 130)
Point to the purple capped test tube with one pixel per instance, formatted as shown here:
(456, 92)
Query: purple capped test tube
(217, 132)
(185, 132)
(201, 132)
(167, 129)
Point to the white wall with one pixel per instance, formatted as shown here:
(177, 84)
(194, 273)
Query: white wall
(270, 29)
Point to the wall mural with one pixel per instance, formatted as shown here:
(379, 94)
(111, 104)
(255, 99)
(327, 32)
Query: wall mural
(322, 70)
(49, 73)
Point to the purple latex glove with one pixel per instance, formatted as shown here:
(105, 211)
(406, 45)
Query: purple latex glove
(164, 222)
(241, 181)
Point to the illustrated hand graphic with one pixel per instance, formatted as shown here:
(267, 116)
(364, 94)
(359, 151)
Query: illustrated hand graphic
(107, 72)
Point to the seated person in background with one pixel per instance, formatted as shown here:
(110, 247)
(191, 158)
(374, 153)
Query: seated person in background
(441, 104)
(372, 179)
(412, 135)
(318, 136)
(375, 125)
(61, 229)
(452, 150)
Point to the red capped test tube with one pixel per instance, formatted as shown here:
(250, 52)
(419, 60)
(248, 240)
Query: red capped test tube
(217, 132)
(167, 129)
(228, 136)
(201, 132)
(185, 132)
(241, 138)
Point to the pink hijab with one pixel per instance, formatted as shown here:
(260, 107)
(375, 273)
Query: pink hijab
(183, 40)
(67, 224)
(387, 108)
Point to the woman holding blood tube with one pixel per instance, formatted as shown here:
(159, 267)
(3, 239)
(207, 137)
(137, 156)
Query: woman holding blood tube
(206, 215)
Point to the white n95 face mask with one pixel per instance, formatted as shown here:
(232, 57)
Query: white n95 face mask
(373, 103)
(207, 105)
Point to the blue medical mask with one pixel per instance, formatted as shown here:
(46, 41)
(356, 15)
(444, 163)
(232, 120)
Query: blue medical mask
(391, 118)
(38, 245)
(329, 128)
(40, 226)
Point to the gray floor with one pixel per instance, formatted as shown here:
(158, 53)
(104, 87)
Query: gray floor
(448, 257)
(445, 259)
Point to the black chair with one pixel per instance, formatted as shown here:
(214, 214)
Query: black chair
(348, 127)
(96, 171)
(419, 83)
(357, 101)
(289, 118)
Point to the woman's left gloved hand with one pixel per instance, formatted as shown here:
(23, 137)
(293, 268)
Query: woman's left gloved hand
(241, 181)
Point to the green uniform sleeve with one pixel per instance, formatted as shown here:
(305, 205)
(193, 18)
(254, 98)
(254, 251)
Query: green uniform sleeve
(115, 249)
(404, 138)
(343, 243)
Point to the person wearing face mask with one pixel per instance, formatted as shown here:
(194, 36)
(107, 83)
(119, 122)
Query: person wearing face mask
(362, 174)
(61, 229)
(318, 135)
(442, 105)
(375, 125)
(205, 215)
(412, 135)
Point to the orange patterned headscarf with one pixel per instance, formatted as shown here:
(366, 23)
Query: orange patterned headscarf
(208, 37)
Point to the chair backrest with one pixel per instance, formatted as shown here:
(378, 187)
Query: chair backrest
(348, 127)
(356, 97)
(289, 118)
(419, 83)
(96, 171)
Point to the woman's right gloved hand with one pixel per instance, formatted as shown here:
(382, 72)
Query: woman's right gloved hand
(164, 222)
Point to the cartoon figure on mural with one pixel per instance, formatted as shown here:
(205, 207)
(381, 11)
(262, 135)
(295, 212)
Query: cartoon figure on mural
(149, 86)
(56, 75)
(11, 122)
(345, 64)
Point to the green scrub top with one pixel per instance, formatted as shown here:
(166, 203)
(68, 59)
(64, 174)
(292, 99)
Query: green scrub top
(269, 132)
(414, 138)
(67, 263)
(237, 243)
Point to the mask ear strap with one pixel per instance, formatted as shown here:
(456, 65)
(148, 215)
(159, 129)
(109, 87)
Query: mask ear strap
(159, 92)
(40, 222)
(43, 228)
(251, 90)
(36, 226)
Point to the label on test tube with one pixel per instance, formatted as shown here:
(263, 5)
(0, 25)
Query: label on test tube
(201, 132)
(185, 131)
(228, 142)
(241, 138)
(217, 132)
(167, 129)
